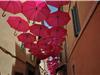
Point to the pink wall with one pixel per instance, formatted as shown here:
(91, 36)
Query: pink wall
(86, 55)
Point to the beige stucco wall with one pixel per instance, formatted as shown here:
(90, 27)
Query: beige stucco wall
(7, 41)
(70, 32)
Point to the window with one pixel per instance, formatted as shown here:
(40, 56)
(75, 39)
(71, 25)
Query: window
(76, 22)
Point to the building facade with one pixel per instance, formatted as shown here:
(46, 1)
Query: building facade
(83, 40)
(14, 60)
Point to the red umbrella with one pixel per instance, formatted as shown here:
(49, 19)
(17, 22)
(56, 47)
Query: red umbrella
(38, 52)
(52, 41)
(11, 6)
(39, 30)
(18, 23)
(58, 18)
(52, 65)
(56, 50)
(35, 50)
(42, 50)
(57, 3)
(36, 11)
(49, 47)
(45, 48)
(28, 45)
(26, 38)
(58, 32)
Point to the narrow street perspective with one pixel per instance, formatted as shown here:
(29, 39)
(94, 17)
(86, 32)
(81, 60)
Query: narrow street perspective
(49, 37)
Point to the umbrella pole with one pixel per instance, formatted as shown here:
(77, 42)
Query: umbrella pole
(3, 14)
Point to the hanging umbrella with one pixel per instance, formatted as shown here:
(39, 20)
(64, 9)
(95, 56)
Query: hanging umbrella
(39, 30)
(58, 18)
(58, 32)
(35, 10)
(26, 38)
(38, 52)
(57, 3)
(18, 23)
(56, 36)
(49, 48)
(52, 41)
(56, 50)
(52, 66)
(45, 48)
(35, 50)
(11, 6)
(28, 45)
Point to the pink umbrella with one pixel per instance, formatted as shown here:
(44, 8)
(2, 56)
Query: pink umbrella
(28, 45)
(58, 32)
(49, 47)
(57, 3)
(39, 30)
(56, 50)
(35, 10)
(58, 18)
(45, 48)
(36, 51)
(26, 38)
(42, 50)
(52, 41)
(11, 6)
(52, 66)
(18, 23)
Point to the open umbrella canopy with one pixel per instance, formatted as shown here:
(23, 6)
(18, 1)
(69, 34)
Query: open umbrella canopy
(39, 30)
(56, 50)
(58, 18)
(28, 45)
(52, 41)
(53, 65)
(43, 50)
(49, 48)
(35, 10)
(26, 38)
(44, 46)
(58, 32)
(57, 3)
(39, 51)
(11, 6)
(18, 23)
